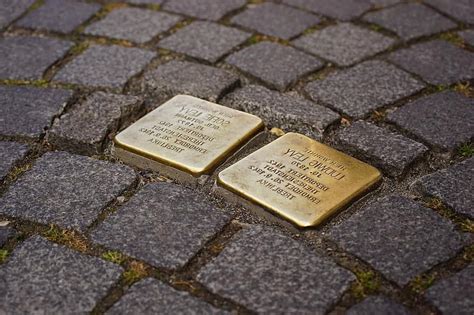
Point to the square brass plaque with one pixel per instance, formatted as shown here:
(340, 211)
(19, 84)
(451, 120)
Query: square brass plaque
(189, 134)
(300, 179)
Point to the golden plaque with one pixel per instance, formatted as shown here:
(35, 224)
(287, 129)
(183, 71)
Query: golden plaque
(186, 133)
(299, 178)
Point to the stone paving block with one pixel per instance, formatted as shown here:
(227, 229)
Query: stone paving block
(61, 16)
(41, 277)
(283, 111)
(453, 295)
(28, 57)
(28, 111)
(133, 24)
(467, 36)
(275, 64)
(276, 20)
(182, 77)
(341, 9)
(462, 10)
(10, 153)
(204, 9)
(442, 120)
(65, 189)
(410, 20)
(359, 90)
(453, 185)
(271, 273)
(437, 62)
(204, 40)
(100, 114)
(6, 233)
(10, 10)
(150, 296)
(344, 44)
(398, 237)
(378, 305)
(107, 66)
(390, 151)
(164, 225)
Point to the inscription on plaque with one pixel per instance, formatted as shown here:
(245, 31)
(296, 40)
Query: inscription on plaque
(188, 133)
(300, 179)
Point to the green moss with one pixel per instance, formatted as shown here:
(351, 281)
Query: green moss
(421, 283)
(3, 255)
(79, 48)
(453, 38)
(367, 283)
(466, 150)
(113, 256)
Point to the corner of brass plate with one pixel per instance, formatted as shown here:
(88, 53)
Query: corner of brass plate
(189, 133)
(299, 178)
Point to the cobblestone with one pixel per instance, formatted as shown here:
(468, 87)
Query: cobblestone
(65, 189)
(10, 152)
(398, 237)
(378, 305)
(41, 277)
(341, 10)
(272, 273)
(204, 9)
(462, 10)
(363, 88)
(467, 36)
(12, 9)
(6, 233)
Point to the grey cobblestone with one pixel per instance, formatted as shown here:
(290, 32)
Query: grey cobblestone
(341, 10)
(12, 9)
(6, 233)
(378, 305)
(10, 153)
(462, 10)
(65, 189)
(204, 9)
(41, 277)
(468, 36)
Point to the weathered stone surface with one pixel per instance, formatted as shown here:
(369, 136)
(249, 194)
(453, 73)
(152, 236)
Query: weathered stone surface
(390, 151)
(283, 111)
(65, 189)
(410, 20)
(443, 120)
(275, 64)
(10, 10)
(468, 36)
(454, 294)
(6, 233)
(182, 77)
(378, 305)
(85, 127)
(164, 225)
(59, 15)
(363, 88)
(344, 44)
(133, 24)
(462, 10)
(10, 153)
(341, 9)
(28, 57)
(453, 185)
(204, 9)
(41, 277)
(27, 111)
(150, 296)
(204, 40)
(271, 273)
(437, 62)
(108, 66)
(276, 20)
(398, 237)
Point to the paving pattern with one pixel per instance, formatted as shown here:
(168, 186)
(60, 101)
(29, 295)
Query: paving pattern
(387, 81)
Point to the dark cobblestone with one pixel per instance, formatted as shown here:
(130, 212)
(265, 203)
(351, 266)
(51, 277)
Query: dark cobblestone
(12, 9)
(100, 114)
(133, 24)
(281, 110)
(108, 66)
(150, 296)
(10, 152)
(341, 9)
(276, 20)
(378, 305)
(398, 237)
(363, 88)
(272, 273)
(462, 10)
(275, 64)
(204, 9)
(28, 57)
(67, 190)
(344, 44)
(205, 40)
(467, 36)
(6, 233)
(59, 15)
(387, 150)
(443, 120)
(45, 278)
(437, 62)
(164, 225)
(28, 111)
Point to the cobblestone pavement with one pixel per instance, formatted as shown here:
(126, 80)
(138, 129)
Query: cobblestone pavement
(387, 81)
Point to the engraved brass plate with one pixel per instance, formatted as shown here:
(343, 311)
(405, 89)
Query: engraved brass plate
(300, 179)
(188, 133)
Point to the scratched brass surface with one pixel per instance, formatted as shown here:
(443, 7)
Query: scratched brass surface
(188, 133)
(299, 178)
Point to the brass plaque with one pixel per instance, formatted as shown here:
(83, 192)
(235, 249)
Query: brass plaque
(299, 178)
(189, 133)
